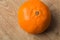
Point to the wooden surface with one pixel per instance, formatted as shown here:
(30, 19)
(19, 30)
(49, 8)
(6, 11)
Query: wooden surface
(9, 28)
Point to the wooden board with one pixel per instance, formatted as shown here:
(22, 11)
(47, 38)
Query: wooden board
(9, 28)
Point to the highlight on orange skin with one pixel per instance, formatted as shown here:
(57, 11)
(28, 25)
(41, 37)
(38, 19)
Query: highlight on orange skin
(34, 16)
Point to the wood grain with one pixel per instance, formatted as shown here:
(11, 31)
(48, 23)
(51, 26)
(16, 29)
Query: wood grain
(10, 30)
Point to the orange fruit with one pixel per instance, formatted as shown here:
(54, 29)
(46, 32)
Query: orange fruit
(34, 16)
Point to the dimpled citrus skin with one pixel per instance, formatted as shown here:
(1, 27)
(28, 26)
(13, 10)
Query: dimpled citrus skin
(34, 17)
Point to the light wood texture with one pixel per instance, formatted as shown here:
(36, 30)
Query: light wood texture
(10, 30)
